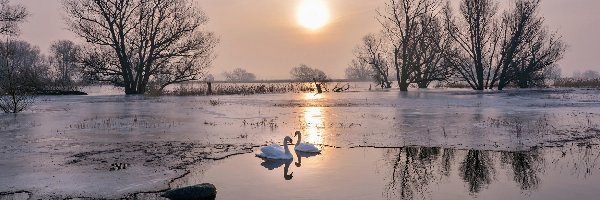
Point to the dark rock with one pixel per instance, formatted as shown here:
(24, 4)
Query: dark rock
(204, 191)
(118, 166)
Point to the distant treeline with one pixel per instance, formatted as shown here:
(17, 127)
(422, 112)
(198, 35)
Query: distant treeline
(577, 83)
(282, 81)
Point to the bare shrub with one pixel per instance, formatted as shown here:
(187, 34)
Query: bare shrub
(242, 89)
(15, 102)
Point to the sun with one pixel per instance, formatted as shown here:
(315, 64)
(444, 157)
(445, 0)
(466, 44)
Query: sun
(313, 14)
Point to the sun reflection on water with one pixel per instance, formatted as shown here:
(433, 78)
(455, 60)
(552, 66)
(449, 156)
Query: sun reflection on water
(312, 96)
(314, 124)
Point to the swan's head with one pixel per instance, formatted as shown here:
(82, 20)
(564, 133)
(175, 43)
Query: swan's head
(297, 133)
(288, 177)
(287, 139)
(298, 164)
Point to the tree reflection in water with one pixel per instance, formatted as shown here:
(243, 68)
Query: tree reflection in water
(526, 167)
(414, 170)
(447, 158)
(586, 160)
(477, 170)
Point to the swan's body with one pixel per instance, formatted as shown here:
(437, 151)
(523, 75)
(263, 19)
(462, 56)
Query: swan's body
(275, 151)
(305, 147)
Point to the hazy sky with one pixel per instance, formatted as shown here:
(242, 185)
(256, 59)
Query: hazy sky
(263, 36)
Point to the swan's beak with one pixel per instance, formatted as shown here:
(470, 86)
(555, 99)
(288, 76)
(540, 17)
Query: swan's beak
(291, 141)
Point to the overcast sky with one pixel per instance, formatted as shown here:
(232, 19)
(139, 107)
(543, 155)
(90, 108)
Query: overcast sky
(263, 36)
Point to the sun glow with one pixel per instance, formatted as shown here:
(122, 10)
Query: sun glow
(313, 14)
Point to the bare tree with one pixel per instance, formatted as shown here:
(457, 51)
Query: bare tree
(497, 51)
(151, 40)
(526, 46)
(518, 25)
(417, 40)
(27, 75)
(11, 16)
(65, 56)
(372, 52)
(475, 34)
(15, 91)
(239, 75)
(305, 73)
(432, 52)
(544, 50)
(358, 70)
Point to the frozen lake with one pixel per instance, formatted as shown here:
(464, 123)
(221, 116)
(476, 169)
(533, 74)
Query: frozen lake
(167, 141)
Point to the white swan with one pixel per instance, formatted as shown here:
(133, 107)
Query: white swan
(305, 147)
(275, 151)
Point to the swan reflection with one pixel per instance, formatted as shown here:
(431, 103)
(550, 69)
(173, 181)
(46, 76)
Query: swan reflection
(271, 164)
(300, 155)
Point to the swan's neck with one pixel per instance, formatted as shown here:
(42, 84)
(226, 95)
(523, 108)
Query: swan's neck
(299, 139)
(285, 171)
(285, 147)
(286, 168)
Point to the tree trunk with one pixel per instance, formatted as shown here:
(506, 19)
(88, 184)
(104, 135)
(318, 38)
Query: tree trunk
(129, 90)
(524, 79)
(401, 73)
(479, 71)
(403, 87)
(209, 91)
(319, 90)
(403, 82)
(501, 85)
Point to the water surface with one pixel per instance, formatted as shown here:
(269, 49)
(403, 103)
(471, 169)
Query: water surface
(569, 172)
(54, 148)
